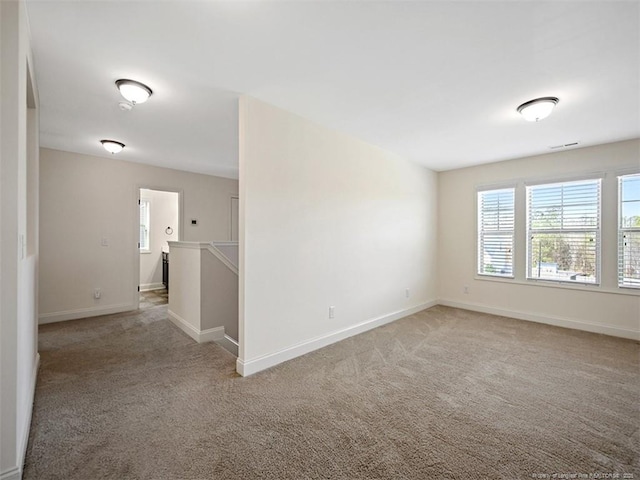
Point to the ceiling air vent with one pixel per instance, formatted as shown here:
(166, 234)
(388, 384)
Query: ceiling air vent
(565, 145)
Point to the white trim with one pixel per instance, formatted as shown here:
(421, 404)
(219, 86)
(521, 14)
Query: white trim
(14, 473)
(27, 419)
(622, 171)
(585, 287)
(192, 245)
(229, 344)
(249, 367)
(220, 256)
(54, 317)
(231, 197)
(135, 299)
(200, 336)
(549, 320)
(146, 287)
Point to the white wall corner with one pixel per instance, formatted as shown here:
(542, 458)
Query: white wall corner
(200, 336)
(548, 320)
(251, 366)
(54, 317)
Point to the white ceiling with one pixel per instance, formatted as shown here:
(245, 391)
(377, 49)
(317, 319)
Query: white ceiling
(435, 82)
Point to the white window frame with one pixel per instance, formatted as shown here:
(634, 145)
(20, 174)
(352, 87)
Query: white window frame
(145, 248)
(482, 232)
(623, 233)
(597, 230)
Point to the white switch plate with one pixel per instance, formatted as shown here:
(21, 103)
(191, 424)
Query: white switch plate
(104, 242)
(332, 311)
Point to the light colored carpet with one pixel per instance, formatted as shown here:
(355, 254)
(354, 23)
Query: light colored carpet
(444, 393)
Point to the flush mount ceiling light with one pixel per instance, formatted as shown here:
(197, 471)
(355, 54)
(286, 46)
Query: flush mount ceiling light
(133, 91)
(112, 146)
(536, 110)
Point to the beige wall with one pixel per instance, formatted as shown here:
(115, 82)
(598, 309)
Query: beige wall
(85, 199)
(163, 208)
(203, 293)
(325, 220)
(604, 308)
(18, 237)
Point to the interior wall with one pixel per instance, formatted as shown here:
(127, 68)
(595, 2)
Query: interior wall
(163, 213)
(86, 201)
(325, 220)
(18, 237)
(605, 308)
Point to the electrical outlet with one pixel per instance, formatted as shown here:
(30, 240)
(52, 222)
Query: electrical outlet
(407, 293)
(332, 311)
(465, 289)
(97, 293)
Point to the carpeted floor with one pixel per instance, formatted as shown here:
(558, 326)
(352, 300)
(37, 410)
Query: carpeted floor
(443, 394)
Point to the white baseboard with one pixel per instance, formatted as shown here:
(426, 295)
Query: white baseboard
(229, 344)
(254, 365)
(556, 321)
(27, 419)
(53, 317)
(200, 336)
(147, 287)
(12, 474)
(15, 473)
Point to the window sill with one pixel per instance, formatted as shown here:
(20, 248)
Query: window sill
(585, 287)
(145, 252)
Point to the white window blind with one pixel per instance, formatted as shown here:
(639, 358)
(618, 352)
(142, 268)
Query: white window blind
(629, 231)
(563, 231)
(144, 225)
(495, 232)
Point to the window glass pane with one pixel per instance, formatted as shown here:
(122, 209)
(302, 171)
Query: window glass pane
(630, 201)
(495, 232)
(629, 232)
(564, 256)
(630, 259)
(496, 254)
(564, 223)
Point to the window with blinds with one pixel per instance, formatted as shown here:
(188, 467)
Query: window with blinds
(144, 225)
(563, 231)
(629, 231)
(495, 232)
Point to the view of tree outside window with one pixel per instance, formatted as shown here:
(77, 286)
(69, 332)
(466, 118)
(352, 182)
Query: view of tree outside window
(629, 231)
(564, 231)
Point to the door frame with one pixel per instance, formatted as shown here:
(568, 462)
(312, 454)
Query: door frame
(231, 197)
(136, 230)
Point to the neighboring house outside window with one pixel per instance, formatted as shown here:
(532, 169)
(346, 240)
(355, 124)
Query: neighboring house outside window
(495, 232)
(144, 226)
(629, 231)
(563, 231)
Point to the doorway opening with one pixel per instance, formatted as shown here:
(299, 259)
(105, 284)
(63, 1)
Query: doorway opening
(159, 213)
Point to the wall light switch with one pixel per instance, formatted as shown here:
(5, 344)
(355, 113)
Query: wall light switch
(332, 312)
(104, 242)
